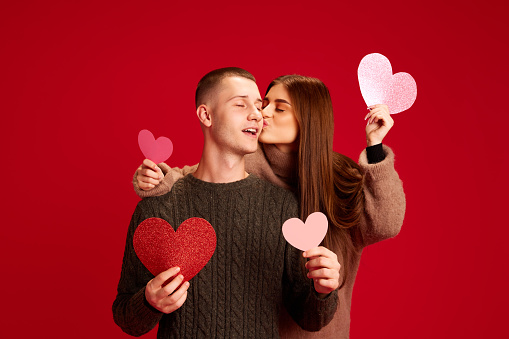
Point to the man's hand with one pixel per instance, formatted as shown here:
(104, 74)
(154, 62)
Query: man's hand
(379, 124)
(148, 175)
(165, 298)
(324, 269)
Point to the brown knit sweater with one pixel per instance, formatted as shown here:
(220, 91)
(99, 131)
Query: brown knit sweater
(239, 293)
(384, 211)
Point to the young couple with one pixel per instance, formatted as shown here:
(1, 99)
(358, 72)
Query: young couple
(254, 271)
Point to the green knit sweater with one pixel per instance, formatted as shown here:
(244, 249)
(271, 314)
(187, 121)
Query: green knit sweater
(252, 273)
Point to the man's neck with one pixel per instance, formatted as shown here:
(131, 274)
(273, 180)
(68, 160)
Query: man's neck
(220, 167)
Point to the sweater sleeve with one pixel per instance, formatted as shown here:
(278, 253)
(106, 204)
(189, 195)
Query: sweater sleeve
(131, 312)
(301, 301)
(171, 175)
(375, 153)
(384, 199)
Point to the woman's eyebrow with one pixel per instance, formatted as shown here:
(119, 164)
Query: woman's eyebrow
(282, 101)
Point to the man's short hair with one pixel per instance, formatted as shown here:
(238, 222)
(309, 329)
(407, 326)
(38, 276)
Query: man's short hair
(213, 78)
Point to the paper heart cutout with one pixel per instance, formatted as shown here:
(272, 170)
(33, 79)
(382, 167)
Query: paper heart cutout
(159, 247)
(308, 235)
(379, 86)
(156, 150)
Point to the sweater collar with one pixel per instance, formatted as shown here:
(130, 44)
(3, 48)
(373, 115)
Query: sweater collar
(240, 184)
(284, 165)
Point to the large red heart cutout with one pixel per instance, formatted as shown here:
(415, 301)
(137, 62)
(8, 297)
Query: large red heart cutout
(159, 247)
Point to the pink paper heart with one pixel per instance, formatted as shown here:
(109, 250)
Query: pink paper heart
(159, 247)
(379, 86)
(306, 236)
(156, 150)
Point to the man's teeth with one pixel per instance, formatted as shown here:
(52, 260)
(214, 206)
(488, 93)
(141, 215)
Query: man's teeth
(250, 130)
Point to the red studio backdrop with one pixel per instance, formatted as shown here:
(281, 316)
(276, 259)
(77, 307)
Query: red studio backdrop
(80, 79)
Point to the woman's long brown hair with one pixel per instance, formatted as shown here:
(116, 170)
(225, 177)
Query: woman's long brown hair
(328, 182)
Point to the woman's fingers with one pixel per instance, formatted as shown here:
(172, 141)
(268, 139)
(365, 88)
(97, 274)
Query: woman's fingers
(379, 114)
(148, 175)
(146, 182)
(150, 164)
(378, 125)
(377, 110)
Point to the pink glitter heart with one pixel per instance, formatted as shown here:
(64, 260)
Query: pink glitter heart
(156, 150)
(379, 86)
(306, 236)
(159, 247)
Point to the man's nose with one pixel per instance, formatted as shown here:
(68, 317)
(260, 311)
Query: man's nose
(255, 114)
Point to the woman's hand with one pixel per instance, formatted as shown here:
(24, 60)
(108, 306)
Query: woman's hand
(323, 268)
(148, 175)
(379, 124)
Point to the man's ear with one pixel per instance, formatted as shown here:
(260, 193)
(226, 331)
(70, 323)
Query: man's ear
(203, 113)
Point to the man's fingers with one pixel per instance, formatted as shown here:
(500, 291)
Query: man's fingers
(175, 296)
(323, 273)
(320, 262)
(326, 285)
(323, 262)
(319, 251)
(171, 286)
(172, 307)
(162, 277)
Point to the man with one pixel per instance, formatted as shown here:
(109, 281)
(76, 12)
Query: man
(238, 294)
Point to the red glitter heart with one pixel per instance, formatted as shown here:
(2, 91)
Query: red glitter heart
(159, 247)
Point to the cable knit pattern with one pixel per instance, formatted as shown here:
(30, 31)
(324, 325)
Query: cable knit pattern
(253, 271)
(384, 211)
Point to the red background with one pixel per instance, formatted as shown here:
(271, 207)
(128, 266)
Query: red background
(79, 80)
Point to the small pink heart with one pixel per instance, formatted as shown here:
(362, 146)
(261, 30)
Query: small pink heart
(379, 86)
(306, 236)
(156, 150)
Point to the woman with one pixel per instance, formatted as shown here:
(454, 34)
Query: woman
(364, 202)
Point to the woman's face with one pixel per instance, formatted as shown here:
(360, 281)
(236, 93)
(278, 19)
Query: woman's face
(280, 127)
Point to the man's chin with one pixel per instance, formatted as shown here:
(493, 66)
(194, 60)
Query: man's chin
(251, 148)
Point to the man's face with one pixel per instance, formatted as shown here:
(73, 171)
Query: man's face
(236, 120)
